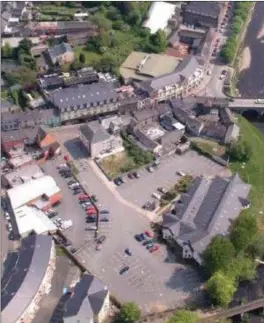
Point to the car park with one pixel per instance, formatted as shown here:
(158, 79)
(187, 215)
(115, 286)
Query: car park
(83, 197)
(128, 252)
(124, 270)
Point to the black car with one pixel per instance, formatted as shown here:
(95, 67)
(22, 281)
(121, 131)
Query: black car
(73, 250)
(124, 270)
(64, 170)
(77, 191)
(117, 181)
(136, 175)
(130, 175)
(52, 215)
(90, 220)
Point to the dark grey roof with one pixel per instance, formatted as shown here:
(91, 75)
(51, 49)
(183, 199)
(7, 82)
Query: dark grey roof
(25, 276)
(87, 299)
(17, 135)
(163, 108)
(59, 50)
(94, 132)
(206, 210)
(226, 116)
(84, 95)
(208, 9)
(43, 114)
(141, 115)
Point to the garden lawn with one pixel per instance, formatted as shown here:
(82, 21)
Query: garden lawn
(112, 165)
(210, 146)
(90, 57)
(252, 172)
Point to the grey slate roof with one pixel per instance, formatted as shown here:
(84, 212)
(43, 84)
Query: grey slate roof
(207, 210)
(94, 132)
(31, 265)
(87, 299)
(141, 115)
(82, 95)
(59, 50)
(226, 116)
(208, 9)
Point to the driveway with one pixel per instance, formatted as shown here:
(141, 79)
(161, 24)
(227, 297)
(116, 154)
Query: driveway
(138, 191)
(154, 281)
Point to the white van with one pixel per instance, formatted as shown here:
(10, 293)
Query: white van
(156, 195)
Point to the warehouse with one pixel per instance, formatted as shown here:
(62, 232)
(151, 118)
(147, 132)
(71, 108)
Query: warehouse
(42, 193)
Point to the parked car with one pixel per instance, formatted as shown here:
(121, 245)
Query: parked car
(104, 219)
(180, 173)
(91, 212)
(86, 204)
(156, 195)
(130, 175)
(77, 191)
(146, 206)
(150, 169)
(90, 220)
(128, 252)
(150, 245)
(149, 234)
(64, 170)
(94, 198)
(124, 270)
(155, 248)
(104, 212)
(83, 197)
(117, 181)
(162, 190)
(146, 242)
(61, 166)
(136, 175)
(101, 239)
(7, 216)
(138, 237)
(142, 235)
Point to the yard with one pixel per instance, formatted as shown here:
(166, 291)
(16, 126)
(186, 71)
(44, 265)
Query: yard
(253, 171)
(113, 165)
(210, 146)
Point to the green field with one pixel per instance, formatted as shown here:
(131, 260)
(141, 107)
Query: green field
(90, 57)
(210, 146)
(252, 172)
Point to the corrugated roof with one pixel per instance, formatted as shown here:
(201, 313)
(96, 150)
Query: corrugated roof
(29, 191)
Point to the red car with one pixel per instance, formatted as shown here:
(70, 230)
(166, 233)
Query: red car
(83, 197)
(90, 208)
(153, 249)
(148, 234)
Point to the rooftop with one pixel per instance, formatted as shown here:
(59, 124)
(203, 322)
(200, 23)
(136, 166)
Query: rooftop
(59, 50)
(205, 210)
(142, 66)
(94, 132)
(207, 9)
(23, 175)
(81, 95)
(87, 300)
(25, 270)
(158, 15)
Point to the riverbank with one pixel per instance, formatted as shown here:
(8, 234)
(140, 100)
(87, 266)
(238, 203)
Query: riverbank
(242, 58)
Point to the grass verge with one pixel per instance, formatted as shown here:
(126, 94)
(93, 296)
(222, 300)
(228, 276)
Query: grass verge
(210, 146)
(252, 172)
(112, 165)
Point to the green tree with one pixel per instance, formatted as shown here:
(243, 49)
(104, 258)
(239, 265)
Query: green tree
(240, 151)
(256, 247)
(244, 231)
(6, 50)
(25, 45)
(82, 58)
(129, 313)
(100, 20)
(107, 63)
(221, 288)
(159, 40)
(242, 268)
(218, 255)
(183, 316)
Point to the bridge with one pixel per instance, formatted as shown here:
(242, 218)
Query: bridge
(242, 105)
(241, 309)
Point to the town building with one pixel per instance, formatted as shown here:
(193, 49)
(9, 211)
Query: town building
(202, 14)
(232, 133)
(27, 273)
(85, 101)
(187, 76)
(88, 301)
(98, 141)
(158, 16)
(140, 66)
(61, 54)
(42, 193)
(207, 209)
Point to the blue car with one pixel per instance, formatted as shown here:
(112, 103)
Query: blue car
(143, 236)
(138, 237)
(128, 252)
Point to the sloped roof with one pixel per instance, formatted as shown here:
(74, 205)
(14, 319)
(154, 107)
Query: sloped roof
(94, 132)
(206, 210)
(87, 299)
(59, 50)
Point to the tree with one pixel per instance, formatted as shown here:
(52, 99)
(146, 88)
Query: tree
(256, 247)
(221, 288)
(240, 151)
(99, 20)
(159, 40)
(82, 58)
(244, 231)
(25, 45)
(242, 268)
(129, 313)
(218, 254)
(183, 316)
(6, 50)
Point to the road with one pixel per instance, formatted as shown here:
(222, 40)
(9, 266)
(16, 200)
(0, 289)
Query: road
(155, 281)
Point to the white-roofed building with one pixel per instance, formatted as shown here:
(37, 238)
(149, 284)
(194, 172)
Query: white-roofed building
(158, 15)
(179, 126)
(30, 219)
(43, 190)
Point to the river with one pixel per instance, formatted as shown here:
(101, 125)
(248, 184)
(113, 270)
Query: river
(251, 81)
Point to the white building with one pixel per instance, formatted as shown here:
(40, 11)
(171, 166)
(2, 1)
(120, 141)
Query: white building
(158, 15)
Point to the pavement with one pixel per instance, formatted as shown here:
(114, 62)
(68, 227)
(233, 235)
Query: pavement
(155, 281)
(138, 191)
